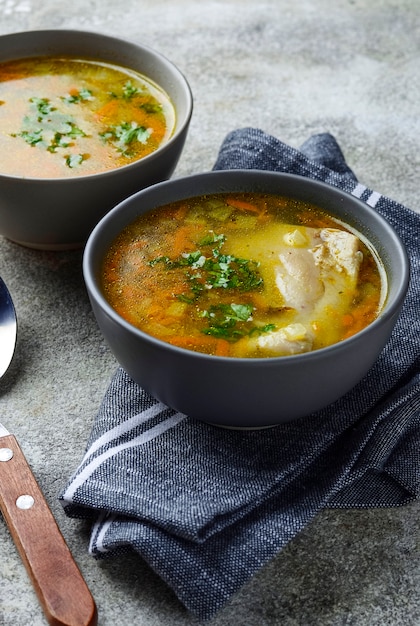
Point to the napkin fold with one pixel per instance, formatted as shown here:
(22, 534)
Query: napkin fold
(208, 507)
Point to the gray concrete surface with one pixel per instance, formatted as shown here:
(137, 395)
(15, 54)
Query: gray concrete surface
(349, 67)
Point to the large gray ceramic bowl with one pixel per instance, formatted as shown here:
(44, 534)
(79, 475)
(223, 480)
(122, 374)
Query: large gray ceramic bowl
(240, 392)
(60, 213)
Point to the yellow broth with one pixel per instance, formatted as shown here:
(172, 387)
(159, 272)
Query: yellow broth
(243, 275)
(63, 117)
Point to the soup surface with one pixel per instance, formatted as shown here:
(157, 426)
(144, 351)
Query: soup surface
(62, 117)
(244, 275)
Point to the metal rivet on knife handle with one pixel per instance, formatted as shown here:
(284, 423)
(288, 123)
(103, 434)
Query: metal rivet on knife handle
(6, 454)
(25, 502)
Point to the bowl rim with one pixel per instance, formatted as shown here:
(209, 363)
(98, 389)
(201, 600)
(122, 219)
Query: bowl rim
(163, 59)
(388, 311)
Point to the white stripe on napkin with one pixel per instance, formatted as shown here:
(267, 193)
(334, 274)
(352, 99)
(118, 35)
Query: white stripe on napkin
(358, 190)
(373, 199)
(124, 427)
(99, 531)
(145, 437)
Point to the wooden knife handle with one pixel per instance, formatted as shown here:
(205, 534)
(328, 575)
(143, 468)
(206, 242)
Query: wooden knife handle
(58, 582)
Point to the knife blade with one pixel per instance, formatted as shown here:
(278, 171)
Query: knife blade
(62, 591)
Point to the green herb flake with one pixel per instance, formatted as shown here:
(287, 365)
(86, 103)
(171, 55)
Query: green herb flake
(223, 320)
(83, 95)
(58, 141)
(74, 160)
(125, 134)
(43, 106)
(31, 137)
(74, 131)
(241, 312)
(130, 90)
(151, 108)
(260, 330)
(65, 139)
(232, 322)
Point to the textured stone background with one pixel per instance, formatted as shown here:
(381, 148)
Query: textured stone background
(349, 67)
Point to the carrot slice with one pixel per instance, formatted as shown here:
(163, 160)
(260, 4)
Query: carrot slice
(183, 240)
(181, 212)
(108, 110)
(220, 347)
(242, 205)
(347, 320)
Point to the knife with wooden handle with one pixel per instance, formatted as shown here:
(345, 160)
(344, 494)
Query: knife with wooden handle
(58, 582)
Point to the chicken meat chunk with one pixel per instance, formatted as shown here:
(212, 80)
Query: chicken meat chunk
(311, 271)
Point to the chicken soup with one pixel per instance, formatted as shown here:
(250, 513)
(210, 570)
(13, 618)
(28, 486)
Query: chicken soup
(62, 117)
(244, 275)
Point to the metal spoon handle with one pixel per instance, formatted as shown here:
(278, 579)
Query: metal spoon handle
(58, 582)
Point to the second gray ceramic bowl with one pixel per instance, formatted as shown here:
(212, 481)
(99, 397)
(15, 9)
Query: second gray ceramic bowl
(248, 392)
(60, 213)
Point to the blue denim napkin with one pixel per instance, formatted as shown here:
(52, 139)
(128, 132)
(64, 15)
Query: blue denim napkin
(208, 507)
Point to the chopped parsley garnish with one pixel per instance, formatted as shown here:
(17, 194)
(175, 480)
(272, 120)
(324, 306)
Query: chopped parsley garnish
(51, 129)
(48, 127)
(129, 90)
(79, 96)
(73, 160)
(150, 107)
(223, 319)
(65, 138)
(209, 268)
(31, 137)
(214, 270)
(43, 106)
(124, 134)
